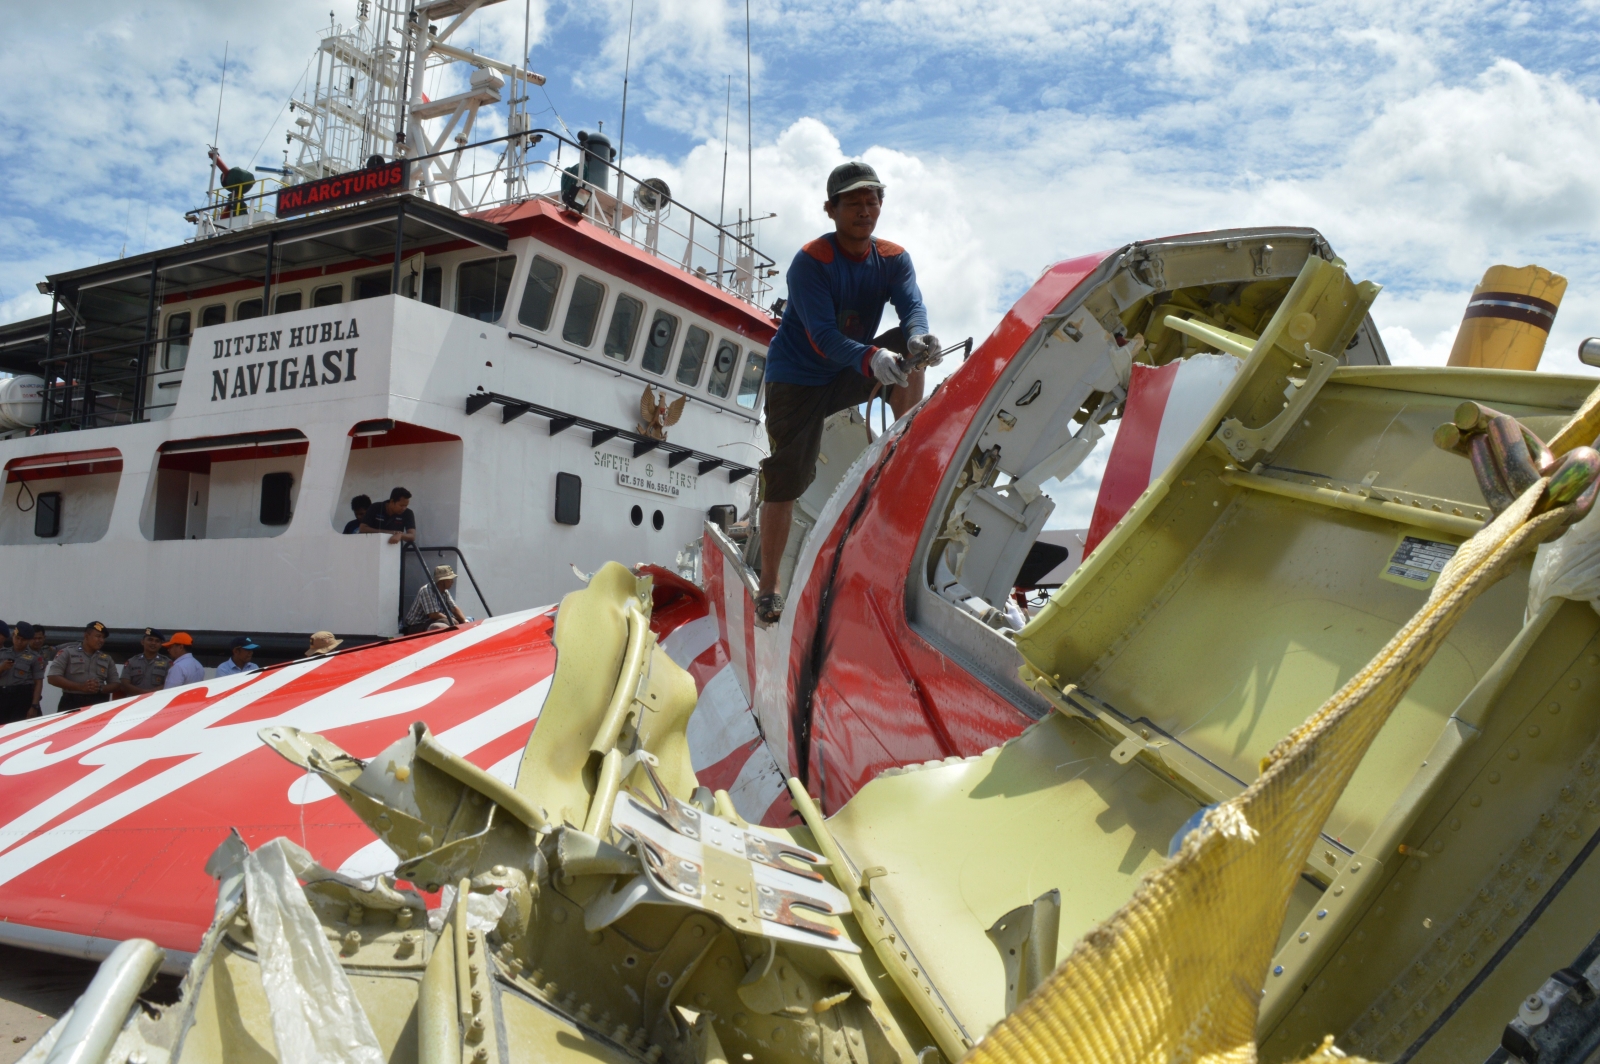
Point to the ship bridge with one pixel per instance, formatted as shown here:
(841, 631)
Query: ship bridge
(112, 351)
(552, 393)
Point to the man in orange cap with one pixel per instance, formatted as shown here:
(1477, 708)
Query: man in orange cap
(186, 668)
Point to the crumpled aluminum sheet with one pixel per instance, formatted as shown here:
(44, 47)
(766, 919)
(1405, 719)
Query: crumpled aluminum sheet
(315, 1014)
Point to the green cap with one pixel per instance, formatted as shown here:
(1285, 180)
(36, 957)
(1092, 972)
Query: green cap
(847, 177)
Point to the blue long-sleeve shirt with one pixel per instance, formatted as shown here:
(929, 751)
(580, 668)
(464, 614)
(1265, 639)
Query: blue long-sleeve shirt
(835, 305)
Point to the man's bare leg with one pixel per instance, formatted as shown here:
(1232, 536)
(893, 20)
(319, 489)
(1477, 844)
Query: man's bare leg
(775, 520)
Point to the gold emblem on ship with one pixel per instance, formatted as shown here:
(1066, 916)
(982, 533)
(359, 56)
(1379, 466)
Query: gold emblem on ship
(657, 415)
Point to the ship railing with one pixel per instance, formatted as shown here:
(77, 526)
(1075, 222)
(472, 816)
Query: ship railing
(230, 209)
(416, 569)
(649, 219)
(111, 384)
(500, 172)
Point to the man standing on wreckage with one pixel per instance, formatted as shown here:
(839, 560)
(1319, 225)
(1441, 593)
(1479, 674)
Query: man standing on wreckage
(821, 360)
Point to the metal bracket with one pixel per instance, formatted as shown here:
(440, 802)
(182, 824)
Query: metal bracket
(1262, 256)
(1243, 444)
(1026, 938)
(706, 863)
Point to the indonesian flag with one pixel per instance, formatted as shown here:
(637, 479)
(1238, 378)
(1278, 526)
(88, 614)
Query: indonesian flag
(1166, 404)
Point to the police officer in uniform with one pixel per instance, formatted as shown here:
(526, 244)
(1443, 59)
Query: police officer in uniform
(147, 671)
(21, 676)
(86, 674)
(45, 651)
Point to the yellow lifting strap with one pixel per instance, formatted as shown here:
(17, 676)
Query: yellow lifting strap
(1176, 973)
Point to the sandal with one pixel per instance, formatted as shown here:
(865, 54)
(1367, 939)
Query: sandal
(769, 608)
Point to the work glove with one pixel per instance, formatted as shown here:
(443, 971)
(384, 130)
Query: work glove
(925, 349)
(886, 367)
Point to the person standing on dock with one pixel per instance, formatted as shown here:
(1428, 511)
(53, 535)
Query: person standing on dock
(828, 356)
(394, 517)
(86, 674)
(38, 645)
(186, 668)
(22, 682)
(240, 651)
(147, 670)
(322, 643)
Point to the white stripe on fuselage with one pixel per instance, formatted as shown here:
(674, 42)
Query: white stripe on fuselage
(733, 597)
(721, 722)
(688, 641)
(464, 739)
(211, 747)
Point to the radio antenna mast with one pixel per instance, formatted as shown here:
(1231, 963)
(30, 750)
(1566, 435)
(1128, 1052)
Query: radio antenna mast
(727, 115)
(749, 131)
(217, 132)
(627, 63)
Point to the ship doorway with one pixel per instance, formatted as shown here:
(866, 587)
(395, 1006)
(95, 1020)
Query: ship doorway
(386, 454)
(226, 487)
(80, 486)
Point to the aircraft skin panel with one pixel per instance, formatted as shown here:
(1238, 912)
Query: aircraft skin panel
(109, 814)
(868, 609)
(841, 740)
(908, 701)
(112, 812)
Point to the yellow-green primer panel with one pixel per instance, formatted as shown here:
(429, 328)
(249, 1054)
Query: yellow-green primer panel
(965, 842)
(537, 1034)
(1292, 606)
(233, 1022)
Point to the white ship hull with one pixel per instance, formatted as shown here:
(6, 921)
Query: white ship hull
(162, 520)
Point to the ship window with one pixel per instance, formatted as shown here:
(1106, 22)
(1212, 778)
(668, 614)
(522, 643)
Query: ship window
(275, 498)
(216, 314)
(722, 369)
(328, 295)
(249, 308)
(539, 294)
(482, 286)
(569, 498)
(755, 367)
(583, 311)
(624, 327)
(177, 349)
(287, 303)
(371, 285)
(695, 343)
(658, 344)
(47, 515)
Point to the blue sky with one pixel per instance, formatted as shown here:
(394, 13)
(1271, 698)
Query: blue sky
(1428, 139)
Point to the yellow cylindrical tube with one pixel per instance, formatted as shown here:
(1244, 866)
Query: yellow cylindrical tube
(1508, 318)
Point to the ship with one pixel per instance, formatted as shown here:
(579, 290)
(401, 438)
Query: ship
(560, 361)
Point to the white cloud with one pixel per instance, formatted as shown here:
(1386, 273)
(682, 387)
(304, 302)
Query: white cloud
(1427, 140)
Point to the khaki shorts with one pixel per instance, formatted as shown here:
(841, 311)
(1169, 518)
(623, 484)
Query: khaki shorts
(795, 413)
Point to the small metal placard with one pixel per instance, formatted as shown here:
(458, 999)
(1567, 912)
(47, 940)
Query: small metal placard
(634, 480)
(1417, 562)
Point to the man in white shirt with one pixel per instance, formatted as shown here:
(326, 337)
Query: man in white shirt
(186, 668)
(241, 650)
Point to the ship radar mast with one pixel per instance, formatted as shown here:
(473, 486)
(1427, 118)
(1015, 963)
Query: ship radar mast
(369, 98)
(392, 86)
